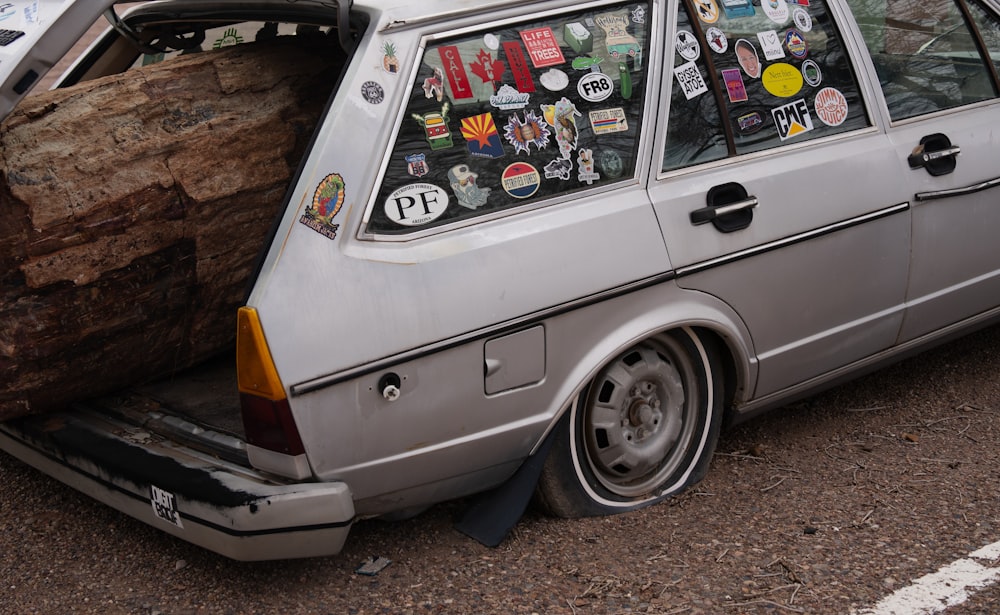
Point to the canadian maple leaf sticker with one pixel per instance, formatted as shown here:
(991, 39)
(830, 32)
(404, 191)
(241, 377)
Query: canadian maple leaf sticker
(486, 68)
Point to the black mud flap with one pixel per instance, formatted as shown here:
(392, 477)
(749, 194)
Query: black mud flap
(493, 514)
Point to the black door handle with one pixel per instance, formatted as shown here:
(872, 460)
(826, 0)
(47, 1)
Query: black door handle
(729, 209)
(936, 154)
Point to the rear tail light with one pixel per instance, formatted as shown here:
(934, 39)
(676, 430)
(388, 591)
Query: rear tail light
(267, 417)
(269, 424)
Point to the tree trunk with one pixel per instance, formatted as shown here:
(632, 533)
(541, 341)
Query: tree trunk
(133, 208)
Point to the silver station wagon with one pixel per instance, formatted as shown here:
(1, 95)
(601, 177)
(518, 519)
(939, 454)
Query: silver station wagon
(550, 249)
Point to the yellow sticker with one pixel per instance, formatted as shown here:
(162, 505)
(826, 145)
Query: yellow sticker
(782, 79)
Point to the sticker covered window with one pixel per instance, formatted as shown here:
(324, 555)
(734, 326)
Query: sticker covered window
(510, 116)
(763, 74)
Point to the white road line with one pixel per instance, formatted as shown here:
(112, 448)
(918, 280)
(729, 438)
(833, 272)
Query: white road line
(949, 586)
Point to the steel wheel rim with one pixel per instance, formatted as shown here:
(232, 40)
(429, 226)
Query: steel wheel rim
(640, 418)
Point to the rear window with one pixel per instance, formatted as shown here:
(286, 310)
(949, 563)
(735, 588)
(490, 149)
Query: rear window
(509, 116)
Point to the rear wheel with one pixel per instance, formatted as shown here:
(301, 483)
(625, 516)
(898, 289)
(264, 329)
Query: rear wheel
(643, 429)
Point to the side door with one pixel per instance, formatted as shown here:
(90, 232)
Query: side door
(773, 192)
(937, 66)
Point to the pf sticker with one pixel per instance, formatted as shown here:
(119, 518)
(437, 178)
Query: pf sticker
(416, 204)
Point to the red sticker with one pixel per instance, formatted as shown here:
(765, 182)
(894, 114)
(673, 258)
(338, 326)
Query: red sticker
(519, 67)
(455, 72)
(542, 47)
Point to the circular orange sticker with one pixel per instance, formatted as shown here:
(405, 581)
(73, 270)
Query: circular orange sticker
(782, 79)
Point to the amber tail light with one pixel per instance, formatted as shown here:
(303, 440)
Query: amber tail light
(267, 417)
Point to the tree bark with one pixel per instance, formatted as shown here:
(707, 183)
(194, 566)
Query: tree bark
(133, 208)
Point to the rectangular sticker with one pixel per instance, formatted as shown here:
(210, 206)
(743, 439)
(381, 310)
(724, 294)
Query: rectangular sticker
(604, 121)
(734, 85)
(164, 505)
(451, 60)
(689, 77)
(519, 67)
(542, 47)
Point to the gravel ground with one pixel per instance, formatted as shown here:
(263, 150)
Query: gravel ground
(825, 506)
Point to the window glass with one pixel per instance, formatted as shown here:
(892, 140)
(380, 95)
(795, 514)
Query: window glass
(989, 28)
(924, 53)
(510, 116)
(751, 76)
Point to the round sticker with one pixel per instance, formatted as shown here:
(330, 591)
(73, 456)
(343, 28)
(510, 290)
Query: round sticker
(372, 92)
(520, 180)
(595, 87)
(687, 45)
(811, 73)
(554, 80)
(782, 79)
(776, 10)
(795, 44)
(717, 40)
(611, 163)
(708, 11)
(491, 41)
(802, 19)
(416, 204)
(831, 106)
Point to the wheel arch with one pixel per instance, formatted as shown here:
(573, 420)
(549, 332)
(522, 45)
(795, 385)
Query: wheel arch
(717, 325)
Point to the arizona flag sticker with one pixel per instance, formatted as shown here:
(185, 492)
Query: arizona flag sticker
(481, 136)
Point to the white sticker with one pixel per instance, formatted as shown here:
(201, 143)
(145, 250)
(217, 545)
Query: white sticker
(604, 121)
(776, 10)
(595, 87)
(416, 204)
(689, 77)
(792, 119)
(811, 73)
(770, 44)
(687, 45)
(164, 505)
(717, 40)
(802, 20)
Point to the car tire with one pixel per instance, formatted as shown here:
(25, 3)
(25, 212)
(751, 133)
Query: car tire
(643, 429)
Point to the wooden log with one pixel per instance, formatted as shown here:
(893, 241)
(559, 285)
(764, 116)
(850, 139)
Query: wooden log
(133, 208)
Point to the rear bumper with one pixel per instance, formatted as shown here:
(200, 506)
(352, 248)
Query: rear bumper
(215, 504)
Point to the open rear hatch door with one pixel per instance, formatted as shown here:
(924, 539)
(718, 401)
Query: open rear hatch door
(35, 35)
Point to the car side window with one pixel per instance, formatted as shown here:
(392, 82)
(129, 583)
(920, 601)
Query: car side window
(926, 53)
(507, 117)
(749, 77)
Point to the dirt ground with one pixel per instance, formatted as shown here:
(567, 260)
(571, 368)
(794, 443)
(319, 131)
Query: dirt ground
(823, 507)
